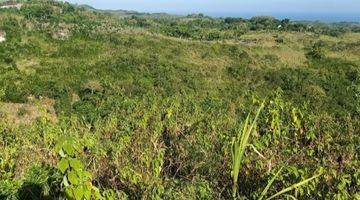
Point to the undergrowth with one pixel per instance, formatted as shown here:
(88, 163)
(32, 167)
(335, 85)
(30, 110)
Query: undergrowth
(145, 107)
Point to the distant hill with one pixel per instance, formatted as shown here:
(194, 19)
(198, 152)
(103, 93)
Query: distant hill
(157, 108)
(85, 6)
(127, 13)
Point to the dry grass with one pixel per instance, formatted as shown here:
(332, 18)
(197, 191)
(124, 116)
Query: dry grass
(290, 53)
(27, 66)
(352, 43)
(26, 113)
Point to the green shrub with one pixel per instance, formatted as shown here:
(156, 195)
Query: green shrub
(315, 52)
(156, 121)
(77, 181)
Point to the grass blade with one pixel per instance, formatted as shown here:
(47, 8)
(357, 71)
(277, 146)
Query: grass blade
(290, 196)
(238, 148)
(270, 184)
(304, 182)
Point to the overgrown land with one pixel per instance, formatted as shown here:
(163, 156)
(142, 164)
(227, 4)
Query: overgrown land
(124, 105)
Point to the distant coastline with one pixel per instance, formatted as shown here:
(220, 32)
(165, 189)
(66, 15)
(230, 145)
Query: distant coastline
(324, 17)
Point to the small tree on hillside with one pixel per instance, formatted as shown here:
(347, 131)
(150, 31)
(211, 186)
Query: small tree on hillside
(315, 52)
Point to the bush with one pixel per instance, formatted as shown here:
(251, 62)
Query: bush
(315, 52)
(40, 11)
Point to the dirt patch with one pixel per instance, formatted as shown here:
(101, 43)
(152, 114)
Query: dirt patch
(26, 113)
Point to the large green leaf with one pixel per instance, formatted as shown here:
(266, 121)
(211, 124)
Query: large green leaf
(63, 165)
(79, 192)
(69, 149)
(73, 178)
(76, 164)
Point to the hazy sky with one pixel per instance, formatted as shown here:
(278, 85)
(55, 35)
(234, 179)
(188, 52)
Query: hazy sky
(231, 6)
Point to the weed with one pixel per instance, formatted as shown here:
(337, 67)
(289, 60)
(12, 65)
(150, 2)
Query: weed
(239, 145)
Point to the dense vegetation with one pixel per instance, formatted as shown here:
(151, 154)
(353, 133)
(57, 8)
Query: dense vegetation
(143, 107)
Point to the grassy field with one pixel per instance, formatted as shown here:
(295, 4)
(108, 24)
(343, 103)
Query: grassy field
(145, 107)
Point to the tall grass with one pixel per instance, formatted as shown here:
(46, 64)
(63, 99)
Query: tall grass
(239, 145)
(283, 191)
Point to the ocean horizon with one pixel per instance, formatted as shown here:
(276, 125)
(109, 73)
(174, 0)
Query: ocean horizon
(323, 17)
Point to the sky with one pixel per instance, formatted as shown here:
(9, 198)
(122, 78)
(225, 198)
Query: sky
(235, 7)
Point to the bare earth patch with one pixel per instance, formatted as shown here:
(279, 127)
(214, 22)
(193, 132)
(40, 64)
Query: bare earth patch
(26, 113)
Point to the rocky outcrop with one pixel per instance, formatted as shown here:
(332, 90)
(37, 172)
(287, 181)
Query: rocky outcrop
(11, 4)
(2, 36)
(61, 34)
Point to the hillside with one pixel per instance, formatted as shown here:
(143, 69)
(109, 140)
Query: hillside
(126, 13)
(140, 107)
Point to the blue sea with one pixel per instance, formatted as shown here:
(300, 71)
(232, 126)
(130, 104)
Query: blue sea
(324, 17)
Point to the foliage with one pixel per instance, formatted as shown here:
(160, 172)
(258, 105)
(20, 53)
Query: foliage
(315, 52)
(149, 105)
(239, 145)
(285, 190)
(77, 181)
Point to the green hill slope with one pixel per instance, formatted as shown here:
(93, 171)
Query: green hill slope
(152, 104)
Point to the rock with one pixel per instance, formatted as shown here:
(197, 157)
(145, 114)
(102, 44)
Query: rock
(17, 6)
(62, 34)
(2, 36)
(74, 98)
